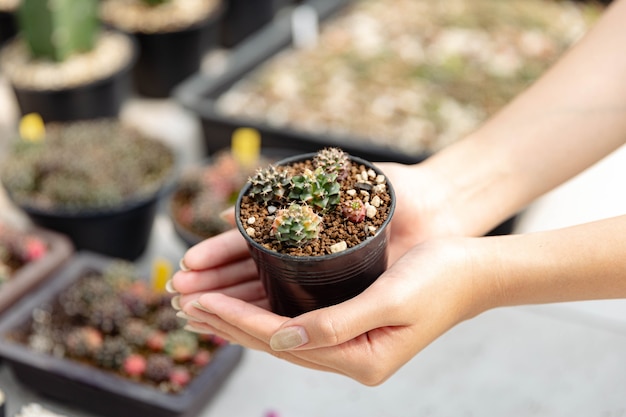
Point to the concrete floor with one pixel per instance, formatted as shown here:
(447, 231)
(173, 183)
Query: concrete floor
(552, 360)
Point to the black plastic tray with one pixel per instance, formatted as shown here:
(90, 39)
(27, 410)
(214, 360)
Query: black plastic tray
(90, 388)
(200, 92)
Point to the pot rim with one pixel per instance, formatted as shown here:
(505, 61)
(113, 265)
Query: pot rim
(308, 259)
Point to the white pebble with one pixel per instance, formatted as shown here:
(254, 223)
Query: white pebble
(339, 247)
(250, 231)
(371, 173)
(379, 188)
(380, 179)
(251, 220)
(271, 209)
(372, 229)
(376, 201)
(351, 192)
(371, 211)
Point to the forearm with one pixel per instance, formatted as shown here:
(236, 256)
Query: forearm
(577, 263)
(569, 119)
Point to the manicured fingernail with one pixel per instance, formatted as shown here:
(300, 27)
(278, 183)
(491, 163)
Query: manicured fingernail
(183, 266)
(200, 307)
(183, 315)
(289, 338)
(169, 287)
(194, 329)
(176, 302)
(227, 214)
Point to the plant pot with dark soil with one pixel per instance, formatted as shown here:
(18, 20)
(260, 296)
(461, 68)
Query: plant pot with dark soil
(98, 181)
(82, 75)
(101, 337)
(27, 258)
(204, 191)
(317, 228)
(173, 36)
(8, 24)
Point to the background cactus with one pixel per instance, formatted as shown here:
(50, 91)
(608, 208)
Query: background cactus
(56, 29)
(319, 188)
(155, 2)
(296, 225)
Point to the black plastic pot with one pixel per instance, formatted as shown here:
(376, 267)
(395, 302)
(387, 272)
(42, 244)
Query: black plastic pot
(8, 26)
(98, 99)
(93, 389)
(243, 18)
(297, 284)
(167, 59)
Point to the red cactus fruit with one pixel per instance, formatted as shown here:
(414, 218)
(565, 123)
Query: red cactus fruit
(156, 340)
(180, 376)
(135, 365)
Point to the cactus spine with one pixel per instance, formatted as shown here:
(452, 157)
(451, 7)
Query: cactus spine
(269, 184)
(318, 188)
(56, 29)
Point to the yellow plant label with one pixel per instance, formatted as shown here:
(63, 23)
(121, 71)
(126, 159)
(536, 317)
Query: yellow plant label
(32, 127)
(161, 273)
(246, 145)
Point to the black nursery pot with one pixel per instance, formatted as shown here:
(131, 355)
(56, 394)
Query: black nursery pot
(122, 232)
(166, 59)
(297, 284)
(98, 99)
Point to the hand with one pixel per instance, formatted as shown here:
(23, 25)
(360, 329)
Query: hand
(416, 300)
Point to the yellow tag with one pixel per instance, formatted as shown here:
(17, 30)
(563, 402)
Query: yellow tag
(161, 273)
(246, 145)
(32, 127)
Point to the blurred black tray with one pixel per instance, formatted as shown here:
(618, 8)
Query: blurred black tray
(200, 92)
(92, 389)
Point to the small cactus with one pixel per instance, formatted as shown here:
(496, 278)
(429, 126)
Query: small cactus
(354, 210)
(135, 331)
(55, 30)
(181, 345)
(333, 160)
(159, 367)
(83, 341)
(113, 352)
(269, 184)
(134, 365)
(296, 225)
(318, 188)
(108, 314)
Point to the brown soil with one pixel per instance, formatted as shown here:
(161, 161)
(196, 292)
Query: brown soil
(335, 227)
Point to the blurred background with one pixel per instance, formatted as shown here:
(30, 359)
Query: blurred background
(388, 81)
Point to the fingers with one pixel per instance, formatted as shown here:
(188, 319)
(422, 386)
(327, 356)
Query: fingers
(216, 278)
(249, 291)
(222, 249)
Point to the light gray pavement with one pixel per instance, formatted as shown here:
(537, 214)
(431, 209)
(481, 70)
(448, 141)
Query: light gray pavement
(553, 360)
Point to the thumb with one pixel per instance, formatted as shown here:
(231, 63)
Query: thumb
(228, 215)
(337, 324)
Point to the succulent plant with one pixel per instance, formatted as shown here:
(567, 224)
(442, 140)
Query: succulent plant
(77, 299)
(17, 248)
(135, 365)
(181, 345)
(318, 187)
(333, 160)
(269, 184)
(108, 314)
(165, 319)
(296, 225)
(57, 29)
(354, 210)
(113, 352)
(83, 341)
(158, 367)
(135, 331)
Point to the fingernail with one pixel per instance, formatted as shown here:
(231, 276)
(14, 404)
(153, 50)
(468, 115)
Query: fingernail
(176, 302)
(200, 307)
(183, 266)
(289, 338)
(227, 214)
(183, 315)
(194, 329)
(169, 287)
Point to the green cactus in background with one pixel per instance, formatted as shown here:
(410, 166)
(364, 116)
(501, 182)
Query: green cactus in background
(333, 160)
(318, 188)
(56, 29)
(269, 184)
(296, 225)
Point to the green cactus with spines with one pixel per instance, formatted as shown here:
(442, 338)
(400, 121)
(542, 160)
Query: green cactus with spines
(296, 225)
(333, 160)
(269, 184)
(318, 188)
(181, 345)
(56, 29)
